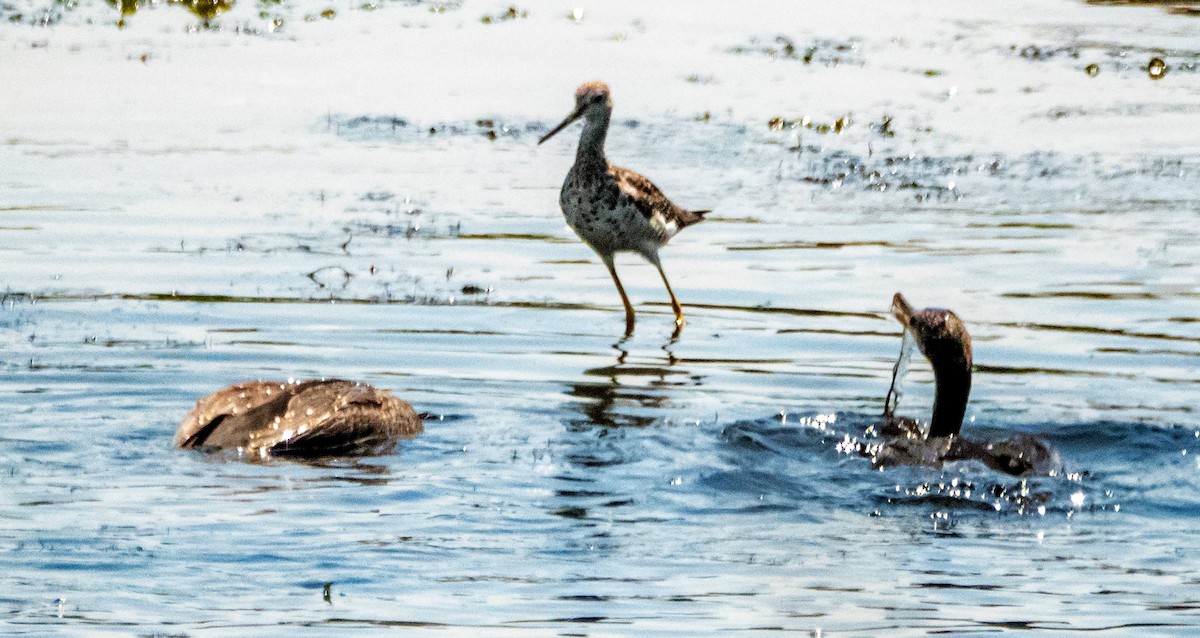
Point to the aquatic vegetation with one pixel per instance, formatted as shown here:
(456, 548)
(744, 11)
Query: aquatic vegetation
(512, 13)
(1042, 53)
(274, 14)
(1116, 57)
(363, 127)
(206, 10)
(838, 125)
(824, 52)
(930, 177)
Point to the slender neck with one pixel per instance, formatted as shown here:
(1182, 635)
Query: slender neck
(591, 141)
(953, 384)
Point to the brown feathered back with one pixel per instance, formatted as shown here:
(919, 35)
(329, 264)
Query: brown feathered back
(650, 200)
(308, 418)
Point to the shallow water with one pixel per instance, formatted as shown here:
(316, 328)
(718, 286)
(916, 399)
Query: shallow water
(361, 196)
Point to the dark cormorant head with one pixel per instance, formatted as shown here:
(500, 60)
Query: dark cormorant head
(944, 340)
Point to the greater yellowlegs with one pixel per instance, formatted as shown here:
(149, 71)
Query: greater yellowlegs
(614, 209)
(298, 418)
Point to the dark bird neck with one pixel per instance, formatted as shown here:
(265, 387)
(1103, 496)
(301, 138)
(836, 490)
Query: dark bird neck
(953, 383)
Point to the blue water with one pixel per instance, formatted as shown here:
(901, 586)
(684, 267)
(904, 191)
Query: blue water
(570, 482)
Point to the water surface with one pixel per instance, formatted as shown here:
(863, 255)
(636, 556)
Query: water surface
(362, 196)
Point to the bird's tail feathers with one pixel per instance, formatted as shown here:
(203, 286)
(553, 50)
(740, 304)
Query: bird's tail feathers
(692, 217)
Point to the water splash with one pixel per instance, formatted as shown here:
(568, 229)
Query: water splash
(899, 371)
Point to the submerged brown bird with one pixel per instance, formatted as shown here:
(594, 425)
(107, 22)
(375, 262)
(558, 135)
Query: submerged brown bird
(299, 418)
(943, 338)
(614, 209)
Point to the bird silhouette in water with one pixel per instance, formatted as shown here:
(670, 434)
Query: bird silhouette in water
(614, 209)
(260, 419)
(943, 338)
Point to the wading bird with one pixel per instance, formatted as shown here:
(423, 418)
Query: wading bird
(614, 209)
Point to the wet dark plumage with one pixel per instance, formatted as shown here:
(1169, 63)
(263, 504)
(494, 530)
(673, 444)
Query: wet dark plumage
(943, 338)
(308, 418)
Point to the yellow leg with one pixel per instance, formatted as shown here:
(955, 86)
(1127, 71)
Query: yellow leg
(674, 302)
(612, 270)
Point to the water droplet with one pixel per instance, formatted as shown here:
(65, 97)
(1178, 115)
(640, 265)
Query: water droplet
(1157, 68)
(1092, 70)
(1077, 499)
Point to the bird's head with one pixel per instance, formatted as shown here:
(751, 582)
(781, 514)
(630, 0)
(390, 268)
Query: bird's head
(939, 333)
(592, 100)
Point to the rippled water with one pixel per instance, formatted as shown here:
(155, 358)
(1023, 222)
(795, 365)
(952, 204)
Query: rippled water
(362, 197)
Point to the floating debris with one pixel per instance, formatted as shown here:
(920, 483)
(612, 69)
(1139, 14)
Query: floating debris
(372, 127)
(839, 125)
(206, 10)
(512, 13)
(1157, 68)
(885, 127)
(1092, 69)
(825, 52)
(329, 14)
(1035, 52)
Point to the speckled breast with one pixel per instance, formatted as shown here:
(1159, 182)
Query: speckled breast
(604, 218)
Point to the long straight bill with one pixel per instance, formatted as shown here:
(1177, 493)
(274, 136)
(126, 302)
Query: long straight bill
(562, 125)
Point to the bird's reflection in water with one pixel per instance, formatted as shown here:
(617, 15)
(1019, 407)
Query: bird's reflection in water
(628, 393)
(333, 470)
(632, 392)
(351, 470)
